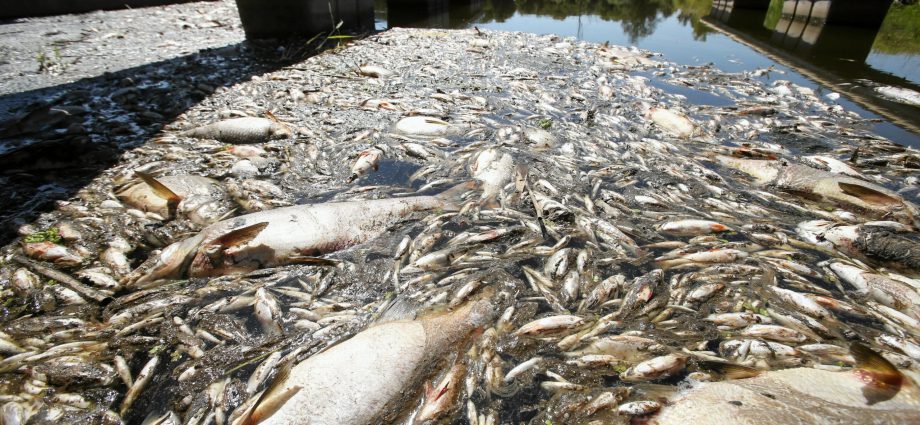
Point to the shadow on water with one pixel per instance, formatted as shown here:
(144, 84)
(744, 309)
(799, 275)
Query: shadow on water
(64, 136)
(846, 46)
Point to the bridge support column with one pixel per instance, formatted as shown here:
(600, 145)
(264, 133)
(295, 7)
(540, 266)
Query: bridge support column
(286, 18)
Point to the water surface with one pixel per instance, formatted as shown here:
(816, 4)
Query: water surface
(846, 56)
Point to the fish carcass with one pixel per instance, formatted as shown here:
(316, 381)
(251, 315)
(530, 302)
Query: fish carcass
(367, 378)
(196, 197)
(874, 393)
(287, 235)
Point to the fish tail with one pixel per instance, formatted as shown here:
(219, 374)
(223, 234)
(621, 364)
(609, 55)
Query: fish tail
(882, 379)
(453, 198)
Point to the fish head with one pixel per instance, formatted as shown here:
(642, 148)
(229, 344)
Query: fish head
(229, 253)
(172, 263)
(280, 131)
(764, 171)
(202, 209)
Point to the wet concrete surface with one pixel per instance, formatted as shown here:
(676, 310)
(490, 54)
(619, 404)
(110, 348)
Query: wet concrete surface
(43, 53)
(77, 91)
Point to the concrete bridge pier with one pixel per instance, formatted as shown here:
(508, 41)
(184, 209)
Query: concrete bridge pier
(432, 13)
(285, 18)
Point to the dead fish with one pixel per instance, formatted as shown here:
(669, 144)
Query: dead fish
(737, 320)
(50, 251)
(655, 368)
(494, 170)
(363, 379)
(641, 292)
(550, 325)
(367, 160)
(900, 94)
(628, 348)
(424, 126)
(673, 122)
(286, 235)
(866, 197)
(639, 408)
(441, 398)
(774, 333)
(874, 392)
(195, 197)
(241, 131)
(375, 71)
(539, 139)
(885, 290)
(692, 227)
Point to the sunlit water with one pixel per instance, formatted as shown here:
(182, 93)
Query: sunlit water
(674, 29)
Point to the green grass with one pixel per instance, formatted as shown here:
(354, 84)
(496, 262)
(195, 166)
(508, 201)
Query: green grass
(50, 235)
(774, 12)
(900, 32)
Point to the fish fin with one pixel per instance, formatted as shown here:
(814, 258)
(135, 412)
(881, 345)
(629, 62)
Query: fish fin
(730, 370)
(453, 197)
(377, 167)
(656, 391)
(274, 396)
(868, 194)
(430, 120)
(883, 380)
(442, 390)
(271, 116)
(318, 261)
(240, 236)
(160, 189)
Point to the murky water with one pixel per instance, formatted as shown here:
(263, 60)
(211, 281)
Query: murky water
(846, 59)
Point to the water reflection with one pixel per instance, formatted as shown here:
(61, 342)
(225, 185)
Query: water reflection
(849, 46)
(638, 17)
(829, 41)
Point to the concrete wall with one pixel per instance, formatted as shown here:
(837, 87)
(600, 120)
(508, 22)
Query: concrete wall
(10, 9)
(285, 18)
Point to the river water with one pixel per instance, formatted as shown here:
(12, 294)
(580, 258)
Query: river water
(851, 59)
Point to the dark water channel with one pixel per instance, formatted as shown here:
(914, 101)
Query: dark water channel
(850, 47)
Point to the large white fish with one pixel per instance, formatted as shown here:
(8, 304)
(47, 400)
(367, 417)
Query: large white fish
(866, 197)
(673, 122)
(369, 378)
(494, 169)
(286, 235)
(874, 393)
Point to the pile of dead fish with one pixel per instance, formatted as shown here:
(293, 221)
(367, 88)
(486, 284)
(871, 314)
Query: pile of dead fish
(479, 227)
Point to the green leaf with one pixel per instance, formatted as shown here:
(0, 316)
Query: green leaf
(545, 123)
(338, 37)
(52, 235)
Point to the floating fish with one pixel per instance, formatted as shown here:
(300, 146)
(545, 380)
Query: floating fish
(287, 235)
(366, 378)
(198, 198)
(241, 131)
(874, 392)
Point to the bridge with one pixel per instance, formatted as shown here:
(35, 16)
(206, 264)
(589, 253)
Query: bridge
(827, 41)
